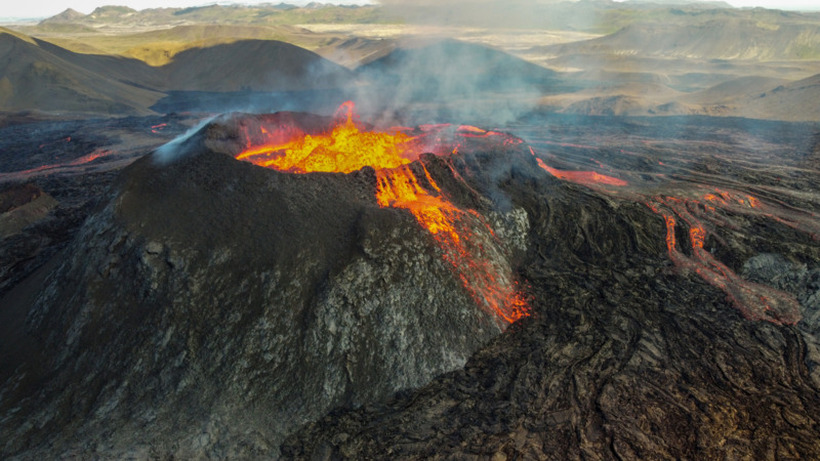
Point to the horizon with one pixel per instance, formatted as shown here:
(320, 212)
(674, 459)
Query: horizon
(42, 9)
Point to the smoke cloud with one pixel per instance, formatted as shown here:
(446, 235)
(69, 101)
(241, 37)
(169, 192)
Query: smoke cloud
(451, 81)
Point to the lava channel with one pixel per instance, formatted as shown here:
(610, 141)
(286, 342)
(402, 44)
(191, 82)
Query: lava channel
(753, 300)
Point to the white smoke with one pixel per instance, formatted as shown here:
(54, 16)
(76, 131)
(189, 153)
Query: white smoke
(173, 150)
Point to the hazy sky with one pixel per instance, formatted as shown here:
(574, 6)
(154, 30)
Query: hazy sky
(46, 8)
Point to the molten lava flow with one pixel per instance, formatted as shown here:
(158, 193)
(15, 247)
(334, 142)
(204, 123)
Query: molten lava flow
(462, 236)
(466, 240)
(57, 167)
(755, 301)
(582, 177)
(345, 149)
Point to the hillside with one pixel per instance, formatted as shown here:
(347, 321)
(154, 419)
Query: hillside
(733, 90)
(449, 68)
(795, 101)
(453, 80)
(37, 79)
(159, 47)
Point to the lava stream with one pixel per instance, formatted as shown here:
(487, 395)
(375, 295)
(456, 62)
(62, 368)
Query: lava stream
(50, 168)
(582, 177)
(465, 238)
(467, 242)
(753, 300)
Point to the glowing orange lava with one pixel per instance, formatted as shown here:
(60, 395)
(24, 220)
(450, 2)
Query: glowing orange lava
(465, 239)
(344, 150)
(57, 167)
(582, 177)
(753, 300)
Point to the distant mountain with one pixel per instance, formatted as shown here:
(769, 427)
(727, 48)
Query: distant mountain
(357, 51)
(453, 80)
(282, 13)
(695, 3)
(112, 12)
(67, 16)
(599, 16)
(727, 38)
(733, 90)
(748, 97)
(159, 47)
(796, 101)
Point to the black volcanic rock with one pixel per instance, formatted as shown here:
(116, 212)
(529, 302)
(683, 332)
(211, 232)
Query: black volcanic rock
(631, 377)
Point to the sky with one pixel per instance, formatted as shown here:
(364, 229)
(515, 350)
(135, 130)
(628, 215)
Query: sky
(46, 8)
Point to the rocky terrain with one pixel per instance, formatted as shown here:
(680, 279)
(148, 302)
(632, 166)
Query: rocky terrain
(606, 246)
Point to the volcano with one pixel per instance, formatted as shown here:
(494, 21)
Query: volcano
(308, 291)
(318, 287)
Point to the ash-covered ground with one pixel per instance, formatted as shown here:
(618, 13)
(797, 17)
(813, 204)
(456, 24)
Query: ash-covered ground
(213, 308)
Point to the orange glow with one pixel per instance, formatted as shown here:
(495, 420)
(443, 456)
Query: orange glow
(582, 177)
(58, 167)
(472, 129)
(753, 300)
(465, 239)
(460, 235)
(345, 149)
(398, 188)
(671, 244)
(697, 236)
